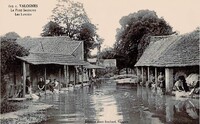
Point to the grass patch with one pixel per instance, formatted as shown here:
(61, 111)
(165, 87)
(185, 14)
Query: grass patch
(7, 106)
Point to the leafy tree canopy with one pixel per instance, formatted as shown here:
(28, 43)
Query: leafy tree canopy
(70, 19)
(107, 53)
(9, 51)
(52, 29)
(10, 36)
(133, 36)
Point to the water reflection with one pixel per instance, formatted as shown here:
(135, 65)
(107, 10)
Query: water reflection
(111, 104)
(170, 109)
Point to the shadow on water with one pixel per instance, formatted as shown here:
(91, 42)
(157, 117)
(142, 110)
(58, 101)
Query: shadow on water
(110, 104)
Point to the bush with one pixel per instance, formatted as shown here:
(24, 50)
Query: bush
(9, 51)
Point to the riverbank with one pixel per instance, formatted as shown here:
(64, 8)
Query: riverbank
(33, 113)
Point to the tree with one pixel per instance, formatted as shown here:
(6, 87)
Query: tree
(70, 19)
(52, 29)
(133, 36)
(89, 36)
(107, 53)
(70, 15)
(10, 36)
(9, 51)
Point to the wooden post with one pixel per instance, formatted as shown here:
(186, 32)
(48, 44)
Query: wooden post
(77, 75)
(65, 75)
(45, 78)
(142, 75)
(168, 79)
(67, 69)
(82, 76)
(24, 79)
(138, 74)
(137, 71)
(74, 76)
(156, 76)
(148, 73)
(59, 73)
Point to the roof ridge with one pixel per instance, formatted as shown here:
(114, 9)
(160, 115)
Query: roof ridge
(45, 37)
(56, 37)
(154, 38)
(50, 53)
(169, 35)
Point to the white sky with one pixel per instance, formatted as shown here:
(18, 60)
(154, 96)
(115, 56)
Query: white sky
(182, 15)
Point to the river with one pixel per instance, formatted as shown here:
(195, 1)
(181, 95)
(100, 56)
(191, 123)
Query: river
(111, 104)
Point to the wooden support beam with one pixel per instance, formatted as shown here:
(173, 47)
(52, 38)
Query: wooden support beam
(74, 76)
(169, 79)
(142, 75)
(65, 75)
(137, 71)
(148, 73)
(24, 79)
(59, 73)
(82, 76)
(67, 69)
(138, 74)
(77, 76)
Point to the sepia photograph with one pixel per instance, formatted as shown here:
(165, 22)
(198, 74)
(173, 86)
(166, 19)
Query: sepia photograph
(99, 62)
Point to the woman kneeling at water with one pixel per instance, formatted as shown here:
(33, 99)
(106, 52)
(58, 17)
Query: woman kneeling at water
(181, 85)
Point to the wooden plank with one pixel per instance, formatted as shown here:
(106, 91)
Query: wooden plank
(24, 79)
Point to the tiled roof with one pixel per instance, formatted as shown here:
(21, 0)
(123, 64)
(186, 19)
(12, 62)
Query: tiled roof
(57, 45)
(52, 50)
(174, 51)
(48, 58)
